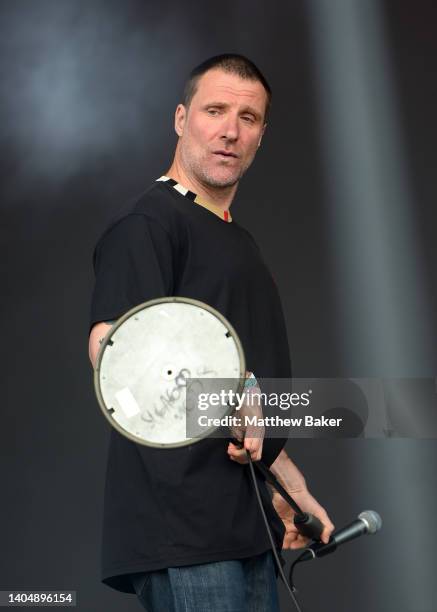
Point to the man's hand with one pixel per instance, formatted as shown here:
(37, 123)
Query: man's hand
(294, 483)
(251, 436)
(306, 502)
(253, 445)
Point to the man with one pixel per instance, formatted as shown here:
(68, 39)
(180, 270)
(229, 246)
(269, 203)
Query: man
(182, 527)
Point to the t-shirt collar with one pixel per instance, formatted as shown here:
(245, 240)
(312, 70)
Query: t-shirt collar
(223, 214)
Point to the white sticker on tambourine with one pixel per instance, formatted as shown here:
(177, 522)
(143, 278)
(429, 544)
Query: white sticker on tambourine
(127, 402)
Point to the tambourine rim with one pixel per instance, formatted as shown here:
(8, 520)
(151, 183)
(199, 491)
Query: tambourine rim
(119, 322)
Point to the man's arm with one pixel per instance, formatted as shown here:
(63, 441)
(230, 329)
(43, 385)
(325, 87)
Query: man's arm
(97, 334)
(294, 483)
(287, 473)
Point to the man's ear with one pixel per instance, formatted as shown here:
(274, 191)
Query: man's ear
(179, 119)
(262, 134)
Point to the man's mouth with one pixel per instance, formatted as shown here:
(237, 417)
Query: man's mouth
(225, 153)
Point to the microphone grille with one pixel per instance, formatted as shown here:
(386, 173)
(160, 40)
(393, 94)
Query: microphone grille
(372, 520)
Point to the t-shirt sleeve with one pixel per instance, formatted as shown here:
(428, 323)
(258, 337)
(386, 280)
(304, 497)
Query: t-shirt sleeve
(133, 263)
(271, 449)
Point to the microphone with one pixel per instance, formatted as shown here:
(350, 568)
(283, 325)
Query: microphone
(368, 521)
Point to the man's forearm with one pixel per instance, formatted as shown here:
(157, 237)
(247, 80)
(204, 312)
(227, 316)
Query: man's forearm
(96, 338)
(287, 473)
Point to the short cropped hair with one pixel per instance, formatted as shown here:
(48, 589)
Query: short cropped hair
(231, 63)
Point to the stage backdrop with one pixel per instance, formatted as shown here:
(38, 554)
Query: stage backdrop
(341, 199)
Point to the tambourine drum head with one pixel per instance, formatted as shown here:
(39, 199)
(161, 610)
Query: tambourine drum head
(148, 358)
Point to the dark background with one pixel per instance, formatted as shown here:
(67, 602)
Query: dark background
(88, 92)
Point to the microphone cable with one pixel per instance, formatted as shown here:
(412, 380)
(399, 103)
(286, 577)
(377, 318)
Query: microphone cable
(293, 565)
(290, 588)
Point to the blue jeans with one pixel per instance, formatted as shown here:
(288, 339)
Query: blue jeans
(241, 585)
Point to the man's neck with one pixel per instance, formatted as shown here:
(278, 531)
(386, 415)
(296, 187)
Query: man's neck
(219, 196)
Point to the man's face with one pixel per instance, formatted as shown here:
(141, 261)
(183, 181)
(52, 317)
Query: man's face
(222, 129)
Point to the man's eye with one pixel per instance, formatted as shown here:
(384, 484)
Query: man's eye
(248, 118)
(213, 111)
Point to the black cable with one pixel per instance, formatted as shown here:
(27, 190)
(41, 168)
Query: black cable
(293, 565)
(271, 479)
(307, 524)
(275, 553)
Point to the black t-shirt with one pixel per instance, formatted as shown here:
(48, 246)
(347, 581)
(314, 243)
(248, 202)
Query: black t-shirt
(188, 505)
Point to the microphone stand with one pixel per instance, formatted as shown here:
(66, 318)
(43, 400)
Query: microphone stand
(307, 524)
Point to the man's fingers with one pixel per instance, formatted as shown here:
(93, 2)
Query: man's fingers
(254, 446)
(289, 538)
(300, 542)
(327, 531)
(293, 539)
(237, 454)
(328, 525)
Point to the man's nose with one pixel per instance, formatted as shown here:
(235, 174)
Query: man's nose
(230, 127)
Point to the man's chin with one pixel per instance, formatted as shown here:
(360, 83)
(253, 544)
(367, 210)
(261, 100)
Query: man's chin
(221, 180)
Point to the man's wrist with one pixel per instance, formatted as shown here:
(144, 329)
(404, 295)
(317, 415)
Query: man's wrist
(288, 474)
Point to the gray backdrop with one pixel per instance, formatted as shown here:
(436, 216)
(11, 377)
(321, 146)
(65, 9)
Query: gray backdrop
(88, 91)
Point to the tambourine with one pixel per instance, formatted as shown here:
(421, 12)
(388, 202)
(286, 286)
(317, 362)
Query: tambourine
(150, 357)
